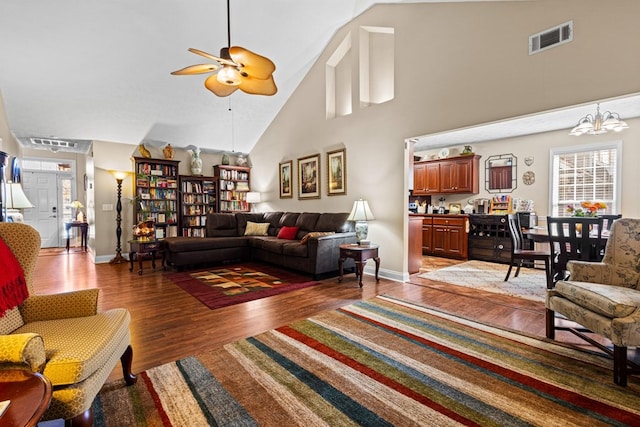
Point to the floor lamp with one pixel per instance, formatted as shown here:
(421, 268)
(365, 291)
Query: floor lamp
(120, 176)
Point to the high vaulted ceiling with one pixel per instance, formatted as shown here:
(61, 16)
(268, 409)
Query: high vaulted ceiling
(99, 69)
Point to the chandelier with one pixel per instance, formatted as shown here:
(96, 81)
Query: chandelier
(598, 124)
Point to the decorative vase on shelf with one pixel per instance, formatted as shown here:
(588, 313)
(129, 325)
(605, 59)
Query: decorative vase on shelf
(241, 160)
(225, 159)
(196, 162)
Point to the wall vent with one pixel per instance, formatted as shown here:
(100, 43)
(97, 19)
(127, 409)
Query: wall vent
(52, 143)
(551, 37)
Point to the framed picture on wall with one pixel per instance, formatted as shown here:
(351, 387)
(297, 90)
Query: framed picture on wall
(337, 172)
(309, 177)
(286, 181)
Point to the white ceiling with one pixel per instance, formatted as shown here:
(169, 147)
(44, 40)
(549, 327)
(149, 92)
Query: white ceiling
(100, 69)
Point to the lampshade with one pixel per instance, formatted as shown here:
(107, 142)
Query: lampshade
(15, 197)
(77, 204)
(360, 211)
(253, 197)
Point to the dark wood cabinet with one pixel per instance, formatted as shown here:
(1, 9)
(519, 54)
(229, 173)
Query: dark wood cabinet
(489, 238)
(415, 244)
(447, 176)
(445, 236)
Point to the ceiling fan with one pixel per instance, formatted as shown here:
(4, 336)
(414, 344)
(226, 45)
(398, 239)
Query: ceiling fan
(237, 68)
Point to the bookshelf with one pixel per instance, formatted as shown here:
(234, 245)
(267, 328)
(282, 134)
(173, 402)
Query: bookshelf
(198, 197)
(233, 186)
(501, 205)
(156, 194)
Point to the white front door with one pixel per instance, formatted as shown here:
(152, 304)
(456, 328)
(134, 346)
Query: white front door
(41, 188)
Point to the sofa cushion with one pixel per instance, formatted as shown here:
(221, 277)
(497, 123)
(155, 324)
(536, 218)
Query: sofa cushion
(334, 222)
(189, 244)
(243, 217)
(11, 321)
(273, 218)
(256, 229)
(306, 222)
(288, 233)
(315, 235)
(288, 219)
(610, 301)
(221, 225)
(295, 249)
(78, 347)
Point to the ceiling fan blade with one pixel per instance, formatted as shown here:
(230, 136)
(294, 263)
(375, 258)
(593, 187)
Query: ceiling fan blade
(251, 63)
(220, 89)
(254, 86)
(196, 69)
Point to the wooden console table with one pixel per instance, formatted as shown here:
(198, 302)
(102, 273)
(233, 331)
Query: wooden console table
(360, 254)
(30, 396)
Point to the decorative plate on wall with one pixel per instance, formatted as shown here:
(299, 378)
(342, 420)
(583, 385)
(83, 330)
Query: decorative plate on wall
(528, 177)
(443, 153)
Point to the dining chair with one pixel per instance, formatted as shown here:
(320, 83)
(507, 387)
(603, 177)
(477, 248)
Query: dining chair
(573, 238)
(520, 254)
(607, 221)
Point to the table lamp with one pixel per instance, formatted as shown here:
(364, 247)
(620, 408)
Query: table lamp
(15, 199)
(361, 214)
(253, 197)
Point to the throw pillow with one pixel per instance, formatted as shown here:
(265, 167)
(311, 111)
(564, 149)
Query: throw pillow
(315, 234)
(256, 228)
(288, 233)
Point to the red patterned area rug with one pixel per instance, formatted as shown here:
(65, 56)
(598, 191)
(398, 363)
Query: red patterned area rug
(234, 284)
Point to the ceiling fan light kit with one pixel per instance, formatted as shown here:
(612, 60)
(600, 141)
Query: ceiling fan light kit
(237, 68)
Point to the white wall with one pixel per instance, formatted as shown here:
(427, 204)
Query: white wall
(457, 65)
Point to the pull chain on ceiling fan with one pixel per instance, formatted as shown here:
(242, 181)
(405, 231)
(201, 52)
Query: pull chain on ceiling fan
(237, 68)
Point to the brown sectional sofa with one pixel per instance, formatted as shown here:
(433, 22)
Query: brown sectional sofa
(226, 241)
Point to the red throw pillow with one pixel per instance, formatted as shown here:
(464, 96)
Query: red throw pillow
(288, 233)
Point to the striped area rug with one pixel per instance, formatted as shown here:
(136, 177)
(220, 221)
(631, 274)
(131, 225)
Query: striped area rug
(378, 363)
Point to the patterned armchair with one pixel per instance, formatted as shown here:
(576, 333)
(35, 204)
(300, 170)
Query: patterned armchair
(604, 297)
(63, 336)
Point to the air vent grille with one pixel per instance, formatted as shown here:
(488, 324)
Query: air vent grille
(49, 143)
(551, 37)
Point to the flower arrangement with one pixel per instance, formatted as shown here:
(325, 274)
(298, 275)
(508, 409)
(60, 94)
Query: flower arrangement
(586, 208)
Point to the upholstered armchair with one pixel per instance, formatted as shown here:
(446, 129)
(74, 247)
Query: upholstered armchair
(63, 336)
(604, 297)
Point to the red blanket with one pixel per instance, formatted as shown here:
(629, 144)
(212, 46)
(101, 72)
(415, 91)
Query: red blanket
(13, 286)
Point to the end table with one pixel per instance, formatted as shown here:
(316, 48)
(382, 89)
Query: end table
(360, 254)
(139, 249)
(30, 396)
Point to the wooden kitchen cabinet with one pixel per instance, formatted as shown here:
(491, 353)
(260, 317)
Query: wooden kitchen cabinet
(447, 176)
(415, 244)
(445, 236)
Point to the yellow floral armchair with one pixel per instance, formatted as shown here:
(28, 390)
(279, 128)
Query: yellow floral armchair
(604, 297)
(63, 336)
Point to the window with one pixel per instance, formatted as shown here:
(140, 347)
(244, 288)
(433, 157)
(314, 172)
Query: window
(585, 173)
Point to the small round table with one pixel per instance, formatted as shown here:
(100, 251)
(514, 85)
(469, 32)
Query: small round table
(360, 254)
(30, 396)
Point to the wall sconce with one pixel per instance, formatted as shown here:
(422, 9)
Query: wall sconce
(361, 214)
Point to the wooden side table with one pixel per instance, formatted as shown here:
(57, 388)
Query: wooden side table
(30, 396)
(139, 249)
(360, 254)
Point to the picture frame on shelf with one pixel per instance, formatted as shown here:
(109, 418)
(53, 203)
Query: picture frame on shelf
(286, 181)
(455, 208)
(309, 177)
(337, 172)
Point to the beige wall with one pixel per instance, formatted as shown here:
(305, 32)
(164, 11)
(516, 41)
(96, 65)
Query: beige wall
(539, 147)
(9, 144)
(456, 65)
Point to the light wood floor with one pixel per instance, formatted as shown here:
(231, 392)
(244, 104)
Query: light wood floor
(169, 324)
